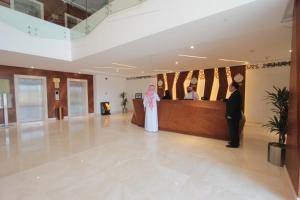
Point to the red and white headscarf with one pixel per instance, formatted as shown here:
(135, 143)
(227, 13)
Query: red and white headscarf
(149, 95)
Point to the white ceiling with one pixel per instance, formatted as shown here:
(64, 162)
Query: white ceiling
(254, 33)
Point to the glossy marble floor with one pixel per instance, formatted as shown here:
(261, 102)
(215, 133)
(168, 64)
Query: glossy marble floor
(111, 159)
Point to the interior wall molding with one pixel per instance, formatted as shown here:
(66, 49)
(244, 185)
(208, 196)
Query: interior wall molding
(269, 65)
(140, 77)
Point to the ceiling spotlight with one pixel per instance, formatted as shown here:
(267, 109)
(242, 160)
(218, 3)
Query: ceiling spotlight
(32, 67)
(176, 62)
(290, 50)
(192, 47)
(79, 72)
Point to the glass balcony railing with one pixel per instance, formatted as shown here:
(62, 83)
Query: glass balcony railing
(67, 19)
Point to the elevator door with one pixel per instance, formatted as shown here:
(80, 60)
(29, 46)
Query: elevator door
(31, 101)
(77, 96)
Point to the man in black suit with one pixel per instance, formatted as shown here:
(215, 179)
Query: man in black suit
(234, 115)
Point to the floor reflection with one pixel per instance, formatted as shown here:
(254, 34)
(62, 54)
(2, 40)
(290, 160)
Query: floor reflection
(109, 158)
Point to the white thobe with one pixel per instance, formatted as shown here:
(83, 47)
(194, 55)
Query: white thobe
(151, 120)
(192, 95)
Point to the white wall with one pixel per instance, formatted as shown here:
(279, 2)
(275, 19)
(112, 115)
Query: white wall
(137, 86)
(108, 88)
(257, 82)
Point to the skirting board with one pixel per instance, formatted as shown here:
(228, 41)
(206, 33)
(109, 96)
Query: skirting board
(292, 191)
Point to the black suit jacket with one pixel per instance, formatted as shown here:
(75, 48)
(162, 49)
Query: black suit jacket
(234, 105)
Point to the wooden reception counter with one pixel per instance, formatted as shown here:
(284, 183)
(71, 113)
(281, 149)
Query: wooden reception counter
(200, 118)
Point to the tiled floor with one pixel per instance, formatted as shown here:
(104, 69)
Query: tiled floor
(111, 159)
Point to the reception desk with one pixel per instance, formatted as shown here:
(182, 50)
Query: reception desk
(199, 118)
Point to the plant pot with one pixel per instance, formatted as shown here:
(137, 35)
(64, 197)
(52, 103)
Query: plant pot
(276, 154)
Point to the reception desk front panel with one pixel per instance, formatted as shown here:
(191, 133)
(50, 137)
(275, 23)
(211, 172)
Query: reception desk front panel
(200, 118)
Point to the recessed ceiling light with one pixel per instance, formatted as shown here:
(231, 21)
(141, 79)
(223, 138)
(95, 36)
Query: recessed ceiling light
(142, 72)
(190, 56)
(32, 67)
(229, 60)
(290, 50)
(79, 72)
(192, 47)
(176, 62)
(123, 65)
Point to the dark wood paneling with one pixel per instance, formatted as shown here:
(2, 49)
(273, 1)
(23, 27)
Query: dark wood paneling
(179, 85)
(206, 114)
(209, 79)
(161, 89)
(293, 139)
(58, 9)
(223, 84)
(5, 3)
(9, 72)
(170, 80)
(240, 70)
(195, 75)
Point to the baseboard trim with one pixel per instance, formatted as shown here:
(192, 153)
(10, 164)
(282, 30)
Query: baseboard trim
(292, 191)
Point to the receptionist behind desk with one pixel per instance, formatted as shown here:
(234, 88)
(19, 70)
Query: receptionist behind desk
(167, 95)
(192, 95)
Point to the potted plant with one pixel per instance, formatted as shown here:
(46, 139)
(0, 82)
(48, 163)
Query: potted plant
(278, 124)
(124, 102)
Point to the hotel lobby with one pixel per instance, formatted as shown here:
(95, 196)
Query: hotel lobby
(74, 74)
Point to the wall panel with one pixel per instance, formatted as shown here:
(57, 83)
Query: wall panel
(293, 139)
(223, 85)
(9, 72)
(179, 85)
(160, 88)
(209, 79)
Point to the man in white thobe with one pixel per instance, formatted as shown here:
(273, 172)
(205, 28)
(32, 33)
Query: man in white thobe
(150, 106)
(192, 95)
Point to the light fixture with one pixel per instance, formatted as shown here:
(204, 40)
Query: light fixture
(190, 56)
(290, 50)
(32, 67)
(176, 62)
(123, 65)
(229, 60)
(142, 72)
(79, 72)
(192, 47)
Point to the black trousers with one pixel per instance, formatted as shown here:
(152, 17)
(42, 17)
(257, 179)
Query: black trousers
(234, 136)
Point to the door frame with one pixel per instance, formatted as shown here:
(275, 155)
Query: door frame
(45, 97)
(85, 95)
